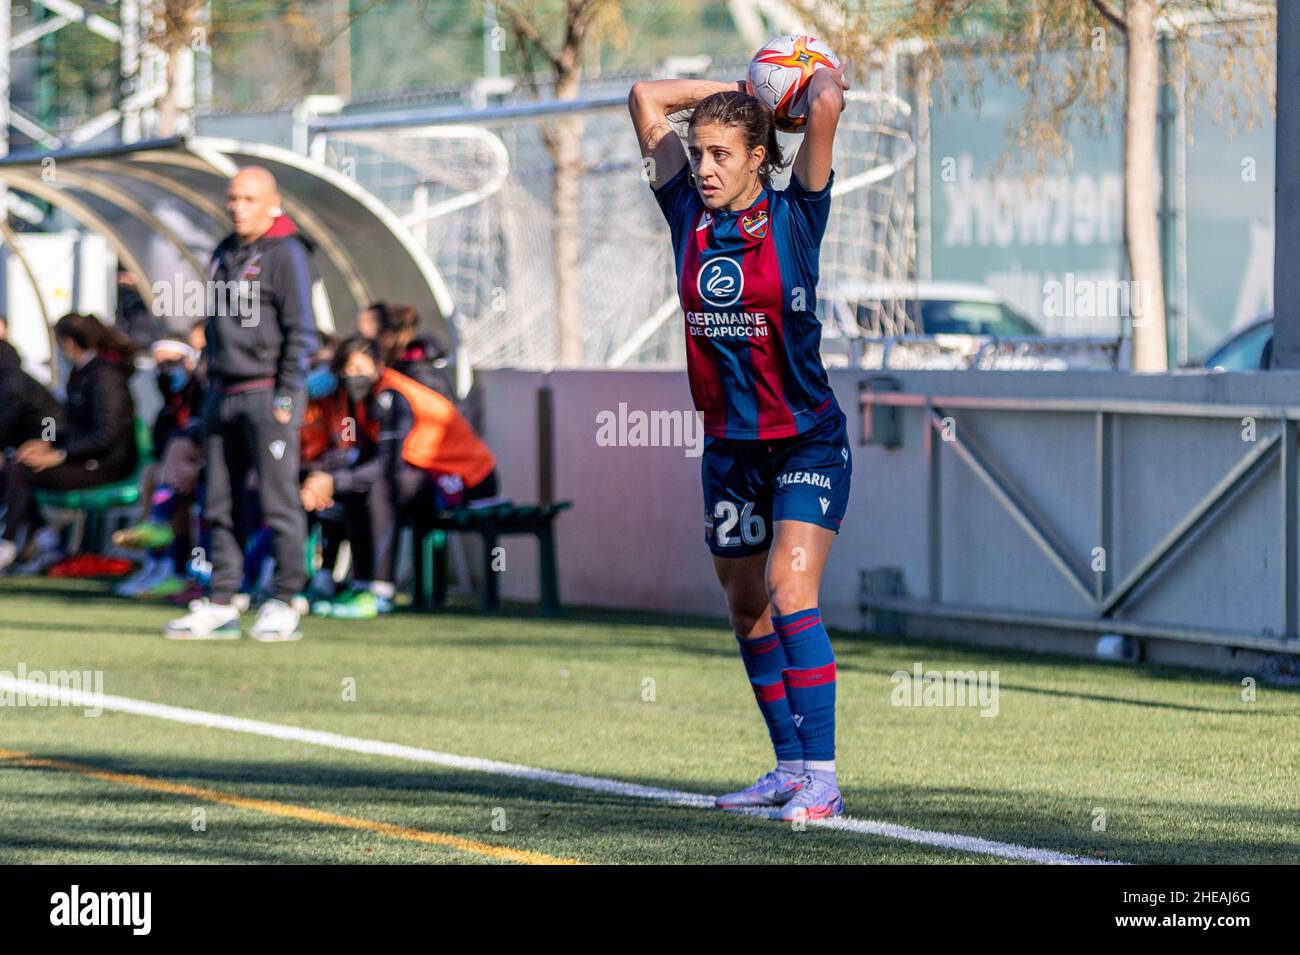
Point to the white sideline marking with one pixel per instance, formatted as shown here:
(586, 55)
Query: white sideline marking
(373, 747)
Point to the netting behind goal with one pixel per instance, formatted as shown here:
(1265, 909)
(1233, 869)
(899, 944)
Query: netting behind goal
(480, 199)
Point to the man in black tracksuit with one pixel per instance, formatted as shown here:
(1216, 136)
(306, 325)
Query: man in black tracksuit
(260, 334)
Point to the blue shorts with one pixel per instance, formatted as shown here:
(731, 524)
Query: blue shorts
(750, 484)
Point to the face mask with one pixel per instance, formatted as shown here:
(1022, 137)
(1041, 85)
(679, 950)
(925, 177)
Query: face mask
(358, 386)
(172, 379)
(321, 382)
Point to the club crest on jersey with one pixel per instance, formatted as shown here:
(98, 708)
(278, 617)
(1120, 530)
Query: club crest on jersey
(755, 224)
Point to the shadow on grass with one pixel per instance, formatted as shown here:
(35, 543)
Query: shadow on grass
(556, 820)
(616, 828)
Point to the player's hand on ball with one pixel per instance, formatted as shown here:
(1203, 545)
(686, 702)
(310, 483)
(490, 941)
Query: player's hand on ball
(827, 78)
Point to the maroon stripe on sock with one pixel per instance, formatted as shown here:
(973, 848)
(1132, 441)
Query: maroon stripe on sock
(798, 626)
(762, 645)
(769, 693)
(814, 677)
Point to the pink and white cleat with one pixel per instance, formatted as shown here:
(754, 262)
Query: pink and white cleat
(772, 789)
(817, 798)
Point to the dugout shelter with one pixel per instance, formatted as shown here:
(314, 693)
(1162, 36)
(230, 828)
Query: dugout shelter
(160, 204)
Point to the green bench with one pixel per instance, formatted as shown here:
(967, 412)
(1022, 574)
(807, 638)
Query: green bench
(491, 523)
(97, 502)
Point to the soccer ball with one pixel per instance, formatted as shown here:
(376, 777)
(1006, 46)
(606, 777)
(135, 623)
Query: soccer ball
(779, 75)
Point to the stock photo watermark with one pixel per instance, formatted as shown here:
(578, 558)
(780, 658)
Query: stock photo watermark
(191, 298)
(127, 909)
(81, 689)
(660, 428)
(946, 688)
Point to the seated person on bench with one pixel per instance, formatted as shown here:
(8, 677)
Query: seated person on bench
(330, 440)
(169, 486)
(26, 405)
(424, 457)
(27, 409)
(93, 445)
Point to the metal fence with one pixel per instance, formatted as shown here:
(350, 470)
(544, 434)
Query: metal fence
(1165, 510)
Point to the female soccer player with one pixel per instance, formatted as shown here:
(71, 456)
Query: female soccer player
(776, 460)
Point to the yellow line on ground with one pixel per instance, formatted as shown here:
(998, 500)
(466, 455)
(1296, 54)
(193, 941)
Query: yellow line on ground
(287, 810)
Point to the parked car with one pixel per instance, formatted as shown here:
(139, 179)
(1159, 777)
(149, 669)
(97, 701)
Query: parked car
(886, 309)
(1247, 349)
(949, 325)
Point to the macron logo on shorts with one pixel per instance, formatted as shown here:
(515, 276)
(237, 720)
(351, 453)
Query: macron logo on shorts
(824, 502)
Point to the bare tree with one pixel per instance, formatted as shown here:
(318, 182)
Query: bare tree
(559, 40)
(176, 26)
(1013, 38)
(288, 41)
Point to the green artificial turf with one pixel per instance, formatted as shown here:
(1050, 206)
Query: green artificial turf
(1183, 768)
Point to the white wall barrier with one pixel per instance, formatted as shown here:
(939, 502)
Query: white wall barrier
(1085, 502)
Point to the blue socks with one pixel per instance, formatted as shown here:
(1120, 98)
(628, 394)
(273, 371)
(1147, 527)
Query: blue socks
(764, 662)
(809, 678)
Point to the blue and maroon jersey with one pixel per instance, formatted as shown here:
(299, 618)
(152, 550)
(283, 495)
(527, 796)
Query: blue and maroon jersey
(747, 282)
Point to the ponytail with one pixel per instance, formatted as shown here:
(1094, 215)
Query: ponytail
(90, 334)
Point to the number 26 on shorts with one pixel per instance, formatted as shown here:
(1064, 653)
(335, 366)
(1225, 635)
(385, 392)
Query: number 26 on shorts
(751, 526)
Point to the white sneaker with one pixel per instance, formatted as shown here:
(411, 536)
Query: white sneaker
(8, 554)
(276, 622)
(205, 621)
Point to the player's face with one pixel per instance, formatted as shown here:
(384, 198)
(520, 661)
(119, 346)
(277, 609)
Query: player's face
(249, 200)
(726, 173)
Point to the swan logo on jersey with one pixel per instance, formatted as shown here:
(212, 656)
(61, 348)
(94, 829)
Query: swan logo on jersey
(720, 281)
(755, 224)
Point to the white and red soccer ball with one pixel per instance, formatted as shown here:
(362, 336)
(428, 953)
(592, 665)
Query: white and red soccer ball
(781, 72)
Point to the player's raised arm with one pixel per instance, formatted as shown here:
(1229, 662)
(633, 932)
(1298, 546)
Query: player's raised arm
(812, 166)
(651, 102)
